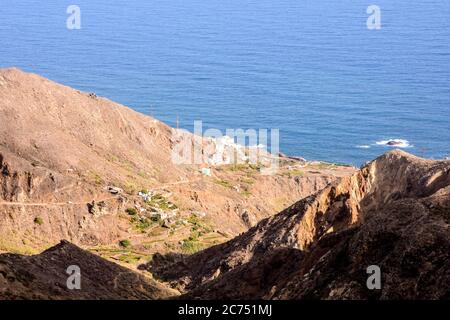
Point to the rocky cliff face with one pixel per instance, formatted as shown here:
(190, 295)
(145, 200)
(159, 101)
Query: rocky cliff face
(393, 213)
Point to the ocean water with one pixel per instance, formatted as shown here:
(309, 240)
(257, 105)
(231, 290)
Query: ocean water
(310, 68)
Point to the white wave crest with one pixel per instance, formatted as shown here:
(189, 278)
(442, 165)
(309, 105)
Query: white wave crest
(395, 143)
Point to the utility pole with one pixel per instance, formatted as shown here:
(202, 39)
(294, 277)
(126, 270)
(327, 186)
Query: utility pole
(150, 108)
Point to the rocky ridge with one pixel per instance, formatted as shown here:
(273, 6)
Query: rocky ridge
(393, 213)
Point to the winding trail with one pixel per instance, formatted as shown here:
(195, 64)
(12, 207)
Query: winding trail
(44, 204)
(69, 203)
(176, 183)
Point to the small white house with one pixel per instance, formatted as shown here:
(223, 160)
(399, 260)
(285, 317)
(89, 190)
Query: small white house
(206, 172)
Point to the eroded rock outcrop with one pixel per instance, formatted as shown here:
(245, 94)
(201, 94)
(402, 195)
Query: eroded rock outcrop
(393, 213)
(45, 276)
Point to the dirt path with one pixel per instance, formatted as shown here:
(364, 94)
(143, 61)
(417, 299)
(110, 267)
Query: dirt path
(176, 183)
(44, 204)
(69, 203)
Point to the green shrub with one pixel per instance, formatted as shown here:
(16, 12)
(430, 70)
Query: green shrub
(130, 187)
(38, 221)
(156, 219)
(190, 247)
(247, 180)
(141, 224)
(193, 219)
(125, 243)
(130, 258)
(131, 211)
(95, 177)
(143, 174)
(158, 201)
(224, 183)
(194, 236)
(239, 167)
(98, 180)
(246, 193)
(294, 173)
(198, 225)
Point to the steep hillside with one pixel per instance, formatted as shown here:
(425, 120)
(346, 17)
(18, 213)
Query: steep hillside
(79, 167)
(61, 151)
(393, 213)
(45, 277)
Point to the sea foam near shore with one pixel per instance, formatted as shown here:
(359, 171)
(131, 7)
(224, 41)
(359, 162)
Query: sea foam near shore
(395, 143)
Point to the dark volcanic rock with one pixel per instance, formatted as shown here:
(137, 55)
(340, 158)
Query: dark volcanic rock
(394, 143)
(44, 277)
(394, 213)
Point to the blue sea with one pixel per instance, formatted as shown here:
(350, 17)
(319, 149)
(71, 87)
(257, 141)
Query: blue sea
(310, 68)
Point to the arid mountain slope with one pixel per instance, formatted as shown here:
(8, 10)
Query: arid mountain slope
(393, 213)
(60, 149)
(44, 277)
